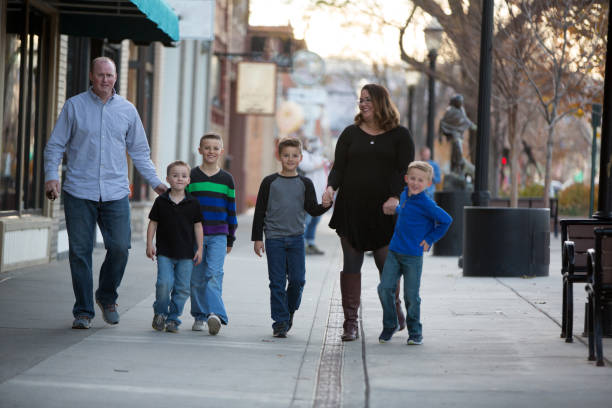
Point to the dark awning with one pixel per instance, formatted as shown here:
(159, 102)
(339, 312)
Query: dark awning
(142, 21)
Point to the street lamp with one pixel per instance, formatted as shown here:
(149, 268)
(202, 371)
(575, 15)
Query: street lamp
(412, 78)
(433, 40)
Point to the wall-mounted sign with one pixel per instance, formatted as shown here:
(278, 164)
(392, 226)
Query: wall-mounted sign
(256, 93)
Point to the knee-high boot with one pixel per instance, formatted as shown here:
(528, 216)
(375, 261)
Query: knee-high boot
(350, 286)
(401, 319)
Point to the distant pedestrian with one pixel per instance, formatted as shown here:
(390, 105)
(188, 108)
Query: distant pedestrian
(420, 223)
(314, 166)
(425, 155)
(283, 200)
(95, 130)
(176, 223)
(214, 189)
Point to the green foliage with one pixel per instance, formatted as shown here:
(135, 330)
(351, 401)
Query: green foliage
(574, 200)
(532, 190)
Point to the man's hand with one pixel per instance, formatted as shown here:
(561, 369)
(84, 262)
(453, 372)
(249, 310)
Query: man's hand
(52, 189)
(258, 247)
(390, 205)
(228, 250)
(161, 189)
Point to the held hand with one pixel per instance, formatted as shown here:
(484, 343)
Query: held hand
(161, 189)
(425, 245)
(198, 257)
(328, 195)
(390, 205)
(228, 250)
(151, 252)
(52, 189)
(326, 201)
(258, 247)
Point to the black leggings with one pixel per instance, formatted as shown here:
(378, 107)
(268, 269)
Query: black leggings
(353, 258)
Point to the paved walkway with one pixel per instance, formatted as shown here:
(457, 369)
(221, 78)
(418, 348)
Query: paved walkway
(488, 342)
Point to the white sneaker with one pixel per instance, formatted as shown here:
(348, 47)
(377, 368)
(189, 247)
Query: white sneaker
(214, 324)
(198, 325)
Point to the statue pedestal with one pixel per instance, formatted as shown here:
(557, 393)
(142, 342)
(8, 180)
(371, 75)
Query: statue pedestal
(451, 244)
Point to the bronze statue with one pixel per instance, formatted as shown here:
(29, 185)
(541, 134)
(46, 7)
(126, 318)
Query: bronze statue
(452, 125)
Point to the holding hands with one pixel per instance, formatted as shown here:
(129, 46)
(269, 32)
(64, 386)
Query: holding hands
(328, 197)
(390, 205)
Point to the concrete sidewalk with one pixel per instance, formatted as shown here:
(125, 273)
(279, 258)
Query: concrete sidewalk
(488, 342)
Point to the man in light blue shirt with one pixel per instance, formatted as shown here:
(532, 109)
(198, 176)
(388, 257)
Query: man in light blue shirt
(95, 130)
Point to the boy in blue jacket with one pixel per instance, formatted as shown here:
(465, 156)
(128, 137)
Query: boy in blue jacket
(420, 223)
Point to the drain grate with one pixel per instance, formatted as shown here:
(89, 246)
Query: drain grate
(328, 392)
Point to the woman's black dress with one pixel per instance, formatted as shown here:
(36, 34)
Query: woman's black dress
(367, 171)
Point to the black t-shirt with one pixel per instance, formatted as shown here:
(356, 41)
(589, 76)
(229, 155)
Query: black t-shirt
(175, 236)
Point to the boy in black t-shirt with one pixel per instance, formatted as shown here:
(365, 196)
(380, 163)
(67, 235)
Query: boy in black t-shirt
(176, 223)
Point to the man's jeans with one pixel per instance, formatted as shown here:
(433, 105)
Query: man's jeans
(172, 286)
(113, 218)
(207, 280)
(286, 262)
(410, 267)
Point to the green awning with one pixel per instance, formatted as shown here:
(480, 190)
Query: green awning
(142, 21)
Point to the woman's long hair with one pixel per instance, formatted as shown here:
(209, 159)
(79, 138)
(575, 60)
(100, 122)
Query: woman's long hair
(386, 114)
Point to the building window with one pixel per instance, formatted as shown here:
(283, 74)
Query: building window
(25, 116)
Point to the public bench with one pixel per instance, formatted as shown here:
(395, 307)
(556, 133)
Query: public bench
(533, 202)
(599, 289)
(577, 237)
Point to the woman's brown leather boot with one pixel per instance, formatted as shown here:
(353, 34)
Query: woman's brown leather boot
(401, 319)
(350, 286)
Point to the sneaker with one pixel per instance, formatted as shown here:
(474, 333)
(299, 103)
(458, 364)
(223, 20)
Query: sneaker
(214, 324)
(280, 331)
(81, 322)
(413, 341)
(313, 250)
(159, 322)
(109, 313)
(172, 326)
(386, 334)
(198, 325)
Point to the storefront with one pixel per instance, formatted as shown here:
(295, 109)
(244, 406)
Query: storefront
(45, 49)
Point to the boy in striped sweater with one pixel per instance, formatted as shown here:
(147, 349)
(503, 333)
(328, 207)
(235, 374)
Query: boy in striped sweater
(214, 189)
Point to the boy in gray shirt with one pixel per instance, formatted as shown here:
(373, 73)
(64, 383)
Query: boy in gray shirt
(283, 200)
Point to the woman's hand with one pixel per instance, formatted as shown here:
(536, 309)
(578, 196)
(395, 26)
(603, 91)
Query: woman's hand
(328, 196)
(390, 205)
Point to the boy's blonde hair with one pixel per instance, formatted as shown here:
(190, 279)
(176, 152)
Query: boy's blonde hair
(176, 164)
(289, 141)
(423, 166)
(211, 135)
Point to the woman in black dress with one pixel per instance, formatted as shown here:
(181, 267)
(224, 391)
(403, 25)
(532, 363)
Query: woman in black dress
(371, 158)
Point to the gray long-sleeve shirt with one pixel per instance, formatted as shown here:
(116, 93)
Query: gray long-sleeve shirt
(96, 136)
(282, 204)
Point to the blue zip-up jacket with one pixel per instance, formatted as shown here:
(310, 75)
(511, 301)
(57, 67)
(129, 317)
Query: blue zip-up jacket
(419, 218)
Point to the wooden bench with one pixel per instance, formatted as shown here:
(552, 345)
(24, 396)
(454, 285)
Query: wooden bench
(599, 289)
(577, 237)
(533, 202)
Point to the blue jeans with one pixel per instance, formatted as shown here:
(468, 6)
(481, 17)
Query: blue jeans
(286, 271)
(207, 280)
(113, 218)
(172, 286)
(410, 267)
(311, 228)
